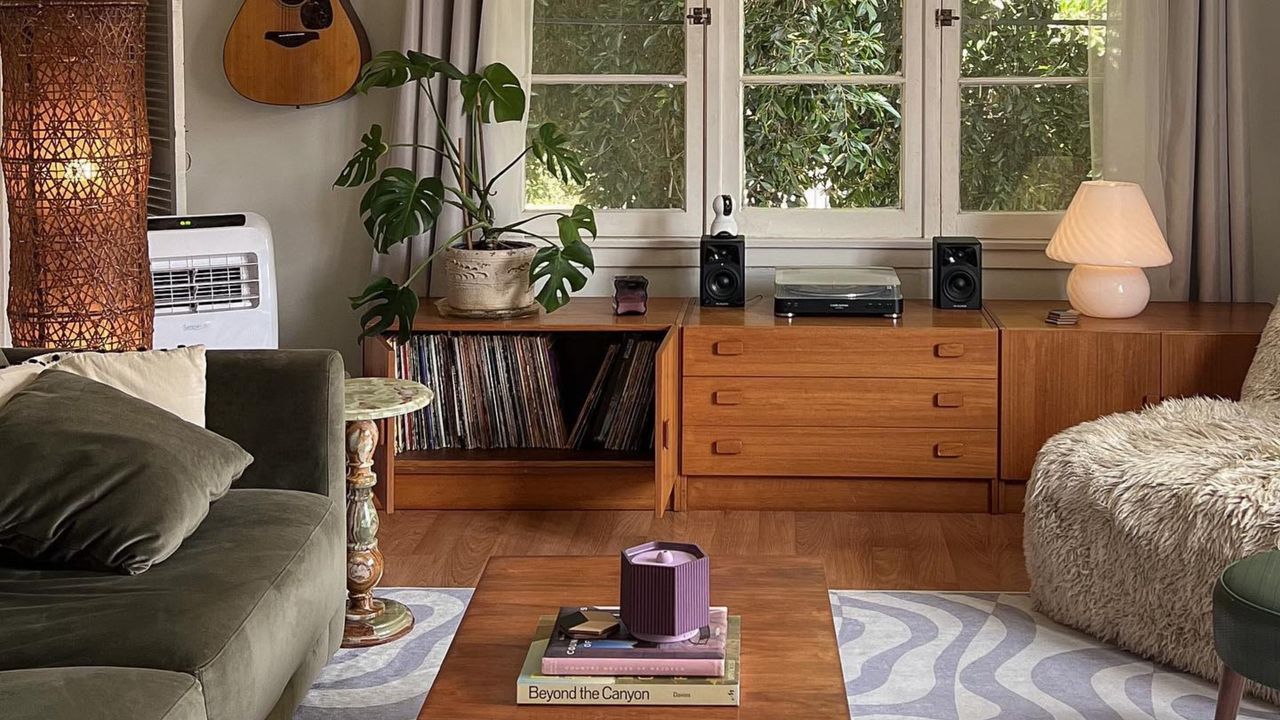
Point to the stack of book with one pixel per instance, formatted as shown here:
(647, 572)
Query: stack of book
(621, 670)
(491, 391)
(618, 411)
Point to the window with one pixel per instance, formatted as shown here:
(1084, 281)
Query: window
(826, 119)
(622, 78)
(1017, 96)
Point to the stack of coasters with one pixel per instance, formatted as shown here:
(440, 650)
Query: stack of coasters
(1063, 317)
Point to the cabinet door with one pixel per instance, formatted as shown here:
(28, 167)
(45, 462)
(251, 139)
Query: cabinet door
(1054, 378)
(666, 418)
(1204, 364)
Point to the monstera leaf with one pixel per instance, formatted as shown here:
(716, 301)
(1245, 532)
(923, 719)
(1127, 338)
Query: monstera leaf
(363, 166)
(563, 266)
(391, 68)
(399, 205)
(494, 93)
(389, 304)
(551, 147)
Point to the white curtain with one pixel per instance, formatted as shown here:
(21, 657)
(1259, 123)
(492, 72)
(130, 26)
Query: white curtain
(470, 34)
(1168, 112)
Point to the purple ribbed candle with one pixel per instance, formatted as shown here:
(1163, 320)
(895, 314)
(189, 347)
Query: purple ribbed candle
(666, 591)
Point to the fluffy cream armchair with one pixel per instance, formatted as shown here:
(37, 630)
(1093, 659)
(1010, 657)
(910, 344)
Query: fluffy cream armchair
(1130, 518)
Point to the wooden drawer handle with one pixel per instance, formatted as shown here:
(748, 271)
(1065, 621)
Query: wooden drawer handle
(727, 447)
(666, 434)
(727, 347)
(949, 350)
(726, 397)
(948, 450)
(948, 400)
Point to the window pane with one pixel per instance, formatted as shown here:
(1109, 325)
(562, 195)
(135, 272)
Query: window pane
(608, 37)
(822, 145)
(822, 37)
(1022, 147)
(631, 139)
(1029, 38)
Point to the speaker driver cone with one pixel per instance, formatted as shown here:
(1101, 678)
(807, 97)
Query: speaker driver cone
(959, 286)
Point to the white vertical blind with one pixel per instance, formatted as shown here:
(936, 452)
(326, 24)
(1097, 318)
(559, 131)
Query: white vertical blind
(167, 188)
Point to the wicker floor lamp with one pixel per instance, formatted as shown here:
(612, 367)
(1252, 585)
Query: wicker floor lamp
(76, 155)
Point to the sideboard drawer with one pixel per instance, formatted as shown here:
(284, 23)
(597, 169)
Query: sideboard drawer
(840, 352)
(837, 402)
(838, 452)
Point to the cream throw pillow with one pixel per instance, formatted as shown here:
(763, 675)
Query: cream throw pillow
(15, 377)
(172, 380)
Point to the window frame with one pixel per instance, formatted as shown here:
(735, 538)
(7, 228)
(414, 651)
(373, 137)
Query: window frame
(714, 80)
(726, 162)
(638, 222)
(1025, 225)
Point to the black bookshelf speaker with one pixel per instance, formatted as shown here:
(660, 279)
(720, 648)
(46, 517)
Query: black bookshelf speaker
(957, 273)
(722, 270)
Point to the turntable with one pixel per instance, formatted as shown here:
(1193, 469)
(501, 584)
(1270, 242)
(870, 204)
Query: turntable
(859, 291)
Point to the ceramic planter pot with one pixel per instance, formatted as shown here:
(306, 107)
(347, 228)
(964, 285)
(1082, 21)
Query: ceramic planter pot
(489, 279)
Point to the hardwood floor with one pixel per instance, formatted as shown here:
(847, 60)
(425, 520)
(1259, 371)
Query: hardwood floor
(901, 551)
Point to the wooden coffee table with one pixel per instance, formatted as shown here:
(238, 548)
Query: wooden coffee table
(790, 661)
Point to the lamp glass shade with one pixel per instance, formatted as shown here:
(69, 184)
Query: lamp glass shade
(1109, 224)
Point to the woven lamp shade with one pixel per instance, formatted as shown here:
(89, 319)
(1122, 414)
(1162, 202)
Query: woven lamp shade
(76, 157)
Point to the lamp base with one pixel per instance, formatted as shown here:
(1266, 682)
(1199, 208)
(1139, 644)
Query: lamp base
(1108, 292)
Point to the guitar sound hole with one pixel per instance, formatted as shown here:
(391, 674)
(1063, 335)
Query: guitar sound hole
(316, 14)
(291, 3)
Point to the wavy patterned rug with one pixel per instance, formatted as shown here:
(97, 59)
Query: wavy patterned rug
(906, 655)
(955, 656)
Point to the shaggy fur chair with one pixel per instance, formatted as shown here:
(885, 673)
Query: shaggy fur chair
(1131, 518)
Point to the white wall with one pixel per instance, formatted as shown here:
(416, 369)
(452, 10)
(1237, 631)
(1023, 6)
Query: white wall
(280, 162)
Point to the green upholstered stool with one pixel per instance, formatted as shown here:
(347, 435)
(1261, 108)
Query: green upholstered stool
(1246, 627)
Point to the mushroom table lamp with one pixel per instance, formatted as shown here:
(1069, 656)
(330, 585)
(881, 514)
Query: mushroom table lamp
(1110, 234)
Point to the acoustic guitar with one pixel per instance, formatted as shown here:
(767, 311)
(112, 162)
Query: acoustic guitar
(295, 52)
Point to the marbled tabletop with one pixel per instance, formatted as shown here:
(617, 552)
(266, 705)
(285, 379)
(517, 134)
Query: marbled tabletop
(375, 398)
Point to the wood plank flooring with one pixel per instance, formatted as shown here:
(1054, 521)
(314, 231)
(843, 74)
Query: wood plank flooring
(901, 551)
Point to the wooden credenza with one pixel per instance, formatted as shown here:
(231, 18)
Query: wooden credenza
(1055, 377)
(838, 413)
(940, 410)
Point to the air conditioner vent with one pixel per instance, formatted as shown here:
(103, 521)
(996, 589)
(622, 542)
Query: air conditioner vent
(205, 283)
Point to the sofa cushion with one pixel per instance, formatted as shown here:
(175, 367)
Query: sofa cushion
(101, 693)
(169, 379)
(238, 606)
(99, 479)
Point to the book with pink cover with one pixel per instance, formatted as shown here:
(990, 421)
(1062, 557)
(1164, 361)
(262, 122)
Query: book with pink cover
(621, 654)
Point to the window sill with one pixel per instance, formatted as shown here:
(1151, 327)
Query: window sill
(682, 243)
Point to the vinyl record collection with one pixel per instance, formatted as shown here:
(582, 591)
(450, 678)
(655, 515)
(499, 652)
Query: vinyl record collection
(491, 391)
(618, 411)
(504, 391)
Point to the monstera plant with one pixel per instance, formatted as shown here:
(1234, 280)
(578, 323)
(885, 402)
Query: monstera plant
(492, 265)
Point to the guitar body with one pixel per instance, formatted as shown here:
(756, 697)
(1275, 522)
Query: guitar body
(295, 52)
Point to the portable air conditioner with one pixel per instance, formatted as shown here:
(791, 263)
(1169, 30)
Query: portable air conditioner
(214, 281)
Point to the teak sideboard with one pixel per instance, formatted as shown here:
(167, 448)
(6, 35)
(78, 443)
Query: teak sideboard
(939, 410)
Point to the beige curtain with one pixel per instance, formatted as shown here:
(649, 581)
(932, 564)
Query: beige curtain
(470, 34)
(1168, 112)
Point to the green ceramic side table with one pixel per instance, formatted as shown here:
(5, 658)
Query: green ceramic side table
(370, 620)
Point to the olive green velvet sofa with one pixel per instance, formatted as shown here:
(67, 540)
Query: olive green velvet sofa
(236, 624)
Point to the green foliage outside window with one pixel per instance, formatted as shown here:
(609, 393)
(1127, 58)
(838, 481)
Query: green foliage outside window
(1022, 147)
